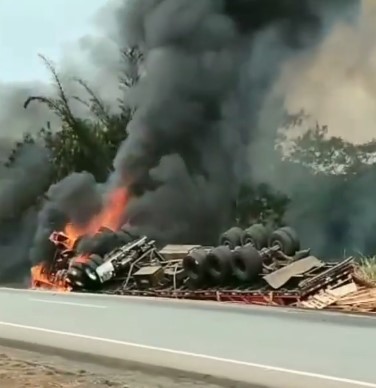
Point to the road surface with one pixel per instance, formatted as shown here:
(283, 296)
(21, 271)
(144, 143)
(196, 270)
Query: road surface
(267, 347)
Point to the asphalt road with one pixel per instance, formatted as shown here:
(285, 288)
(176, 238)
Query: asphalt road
(268, 347)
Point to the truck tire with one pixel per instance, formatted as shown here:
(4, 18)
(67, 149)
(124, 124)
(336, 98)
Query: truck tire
(90, 267)
(256, 235)
(246, 263)
(286, 239)
(79, 273)
(294, 235)
(129, 230)
(81, 244)
(232, 237)
(104, 243)
(124, 237)
(95, 259)
(76, 275)
(218, 264)
(194, 265)
(78, 241)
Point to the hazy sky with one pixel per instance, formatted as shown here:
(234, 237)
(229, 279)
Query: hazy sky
(30, 27)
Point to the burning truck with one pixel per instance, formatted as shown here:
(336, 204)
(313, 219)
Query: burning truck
(252, 266)
(187, 157)
(120, 257)
(258, 265)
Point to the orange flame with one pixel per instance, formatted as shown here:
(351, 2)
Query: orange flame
(83, 259)
(109, 217)
(40, 279)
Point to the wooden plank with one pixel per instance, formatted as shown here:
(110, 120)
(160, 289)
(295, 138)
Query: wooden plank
(330, 275)
(326, 298)
(359, 301)
(363, 300)
(320, 300)
(312, 304)
(358, 296)
(343, 290)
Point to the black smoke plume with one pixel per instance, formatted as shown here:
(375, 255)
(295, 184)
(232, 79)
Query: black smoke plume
(20, 185)
(186, 153)
(208, 67)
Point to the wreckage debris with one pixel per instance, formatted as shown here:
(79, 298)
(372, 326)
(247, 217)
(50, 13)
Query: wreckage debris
(349, 298)
(254, 266)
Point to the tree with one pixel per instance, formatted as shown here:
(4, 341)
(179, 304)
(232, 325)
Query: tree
(80, 144)
(326, 154)
(88, 144)
(332, 186)
(317, 169)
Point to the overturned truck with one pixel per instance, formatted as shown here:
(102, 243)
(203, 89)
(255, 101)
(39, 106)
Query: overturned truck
(252, 266)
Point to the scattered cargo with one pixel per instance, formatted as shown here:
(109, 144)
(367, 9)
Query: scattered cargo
(252, 266)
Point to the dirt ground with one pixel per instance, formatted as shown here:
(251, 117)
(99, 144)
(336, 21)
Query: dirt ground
(23, 369)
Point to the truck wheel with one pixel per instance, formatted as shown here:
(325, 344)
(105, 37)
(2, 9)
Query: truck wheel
(232, 237)
(256, 235)
(76, 275)
(103, 243)
(246, 263)
(129, 230)
(286, 239)
(194, 265)
(294, 235)
(124, 237)
(96, 259)
(91, 278)
(78, 241)
(218, 264)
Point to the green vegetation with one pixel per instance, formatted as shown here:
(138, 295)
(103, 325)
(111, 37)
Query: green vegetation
(367, 269)
(90, 144)
(80, 144)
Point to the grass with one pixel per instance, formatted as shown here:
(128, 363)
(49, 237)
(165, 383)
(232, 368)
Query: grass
(367, 269)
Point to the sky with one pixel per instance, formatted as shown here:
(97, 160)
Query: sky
(32, 27)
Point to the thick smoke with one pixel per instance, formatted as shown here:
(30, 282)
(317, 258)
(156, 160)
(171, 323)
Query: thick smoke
(205, 103)
(334, 83)
(14, 120)
(74, 199)
(20, 185)
(185, 156)
(94, 58)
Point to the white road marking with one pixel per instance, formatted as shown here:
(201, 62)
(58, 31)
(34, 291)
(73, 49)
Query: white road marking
(96, 306)
(196, 355)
